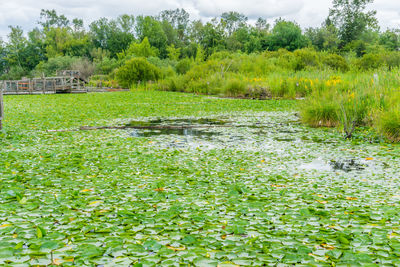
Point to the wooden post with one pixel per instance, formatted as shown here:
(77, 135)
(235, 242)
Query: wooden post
(1, 105)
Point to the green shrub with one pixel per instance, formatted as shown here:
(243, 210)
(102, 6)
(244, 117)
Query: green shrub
(335, 62)
(183, 66)
(282, 59)
(173, 83)
(305, 58)
(370, 61)
(54, 64)
(203, 70)
(106, 65)
(137, 70)
(392, 59)
(235, 87)
(14, 73)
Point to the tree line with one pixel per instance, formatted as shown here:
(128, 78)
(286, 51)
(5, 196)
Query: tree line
(58, 42)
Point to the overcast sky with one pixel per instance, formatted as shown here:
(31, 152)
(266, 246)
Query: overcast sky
(306, 12)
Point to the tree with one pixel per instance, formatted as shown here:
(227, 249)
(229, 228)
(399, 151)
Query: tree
(126, 23)
(211, 37)
(178, 19)
(238, 39)
(111, 35)
(200, 55)
(49, 18)
(232, 21)
(173, 53)
(144, 49)
(62, 41)
(16, 47)
(35, 49)
(262, 25)
(286, 34)
(390, 39)
(3, 61)
(151, 28)
(137, 70)
(77, 25)
(324, 38)
(350, 17)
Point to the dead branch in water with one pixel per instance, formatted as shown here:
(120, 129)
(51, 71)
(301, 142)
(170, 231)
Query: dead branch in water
(152, 127)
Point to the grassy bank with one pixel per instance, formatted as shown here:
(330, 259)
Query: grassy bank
(345, 92)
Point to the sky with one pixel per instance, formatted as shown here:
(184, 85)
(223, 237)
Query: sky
(308, 13)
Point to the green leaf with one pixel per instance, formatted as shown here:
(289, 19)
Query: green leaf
(40, 232)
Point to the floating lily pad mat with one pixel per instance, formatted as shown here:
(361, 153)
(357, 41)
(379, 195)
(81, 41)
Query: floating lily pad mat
(264, 191)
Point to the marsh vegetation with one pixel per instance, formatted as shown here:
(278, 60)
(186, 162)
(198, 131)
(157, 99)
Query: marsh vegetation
(238, 144)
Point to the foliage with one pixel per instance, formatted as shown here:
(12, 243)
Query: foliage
(149, 27)
(183, 66)
(50, 67)
(388, 124)
(336, 62)
(137, 70)
(84, 66)
(370, 61)
(173, 53)
(235, 87)
(144, 49)
(306, 58)
(109, 42)
(320, 110)
(287, 35)
(160, 200)
(350, 18)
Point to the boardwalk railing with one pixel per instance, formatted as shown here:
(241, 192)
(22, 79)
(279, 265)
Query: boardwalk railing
(46, 85)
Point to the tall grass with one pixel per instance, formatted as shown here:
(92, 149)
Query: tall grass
(339, 92)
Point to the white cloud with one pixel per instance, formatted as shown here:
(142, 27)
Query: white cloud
(306, 12)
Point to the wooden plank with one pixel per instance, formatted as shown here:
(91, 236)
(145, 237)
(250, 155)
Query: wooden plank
(1, 106)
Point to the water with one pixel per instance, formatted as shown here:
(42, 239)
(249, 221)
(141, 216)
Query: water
(296, 148)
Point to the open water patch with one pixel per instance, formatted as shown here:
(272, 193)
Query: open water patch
(198, 127)
(345, 165)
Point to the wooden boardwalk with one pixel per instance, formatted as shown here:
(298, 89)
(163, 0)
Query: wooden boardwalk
(67, 81)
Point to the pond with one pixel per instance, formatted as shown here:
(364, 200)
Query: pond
(280, 133)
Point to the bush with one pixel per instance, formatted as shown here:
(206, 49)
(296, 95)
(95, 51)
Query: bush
(235, 87)
(335, 62)
(54, 64)
(306, 58)
(137, 70)
(370, 61)
(173, 83)
(183, 66)
(392, 59)
(14, 73)
(106, 65)
(84, 66)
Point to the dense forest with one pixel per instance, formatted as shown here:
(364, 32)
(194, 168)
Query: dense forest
(101, 47)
